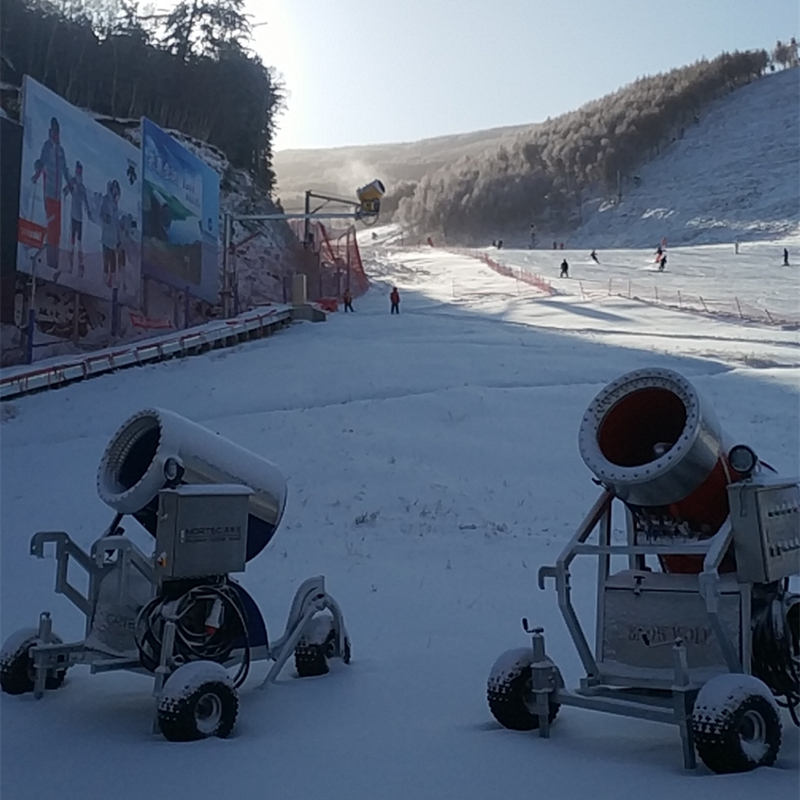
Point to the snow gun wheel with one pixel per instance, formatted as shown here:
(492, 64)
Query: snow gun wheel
(736, 725)
(316, 647)
(198, 700)
(17, 674)
(510, 694)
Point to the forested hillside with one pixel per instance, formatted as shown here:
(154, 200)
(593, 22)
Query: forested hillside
(189, 69)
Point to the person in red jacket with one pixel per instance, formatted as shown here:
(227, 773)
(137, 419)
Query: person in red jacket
(395, 298)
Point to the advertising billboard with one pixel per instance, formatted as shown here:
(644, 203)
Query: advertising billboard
(180, 215)
(80, 200)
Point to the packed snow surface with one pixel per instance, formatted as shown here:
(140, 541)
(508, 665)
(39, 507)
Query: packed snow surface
(433, 467)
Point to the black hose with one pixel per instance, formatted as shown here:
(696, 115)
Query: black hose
(776, 648)
(193, 641)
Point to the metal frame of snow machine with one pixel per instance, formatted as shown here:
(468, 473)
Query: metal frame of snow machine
(700, 629)
(211, 506)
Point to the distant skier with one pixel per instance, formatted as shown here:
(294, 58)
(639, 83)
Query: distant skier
(564, 269)
(555, 245)
(593, 256)
(395, 299)
(663, 263)
(785, 257)
(499, 244)
(561, 245)
(347, 299)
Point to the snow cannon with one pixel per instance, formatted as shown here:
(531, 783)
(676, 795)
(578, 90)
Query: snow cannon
(369, 199)
(695, 624)
(653, 441)
(177, 612)
(156, 449)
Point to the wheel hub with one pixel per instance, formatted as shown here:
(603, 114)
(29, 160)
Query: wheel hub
(753, 735)
(208, 713)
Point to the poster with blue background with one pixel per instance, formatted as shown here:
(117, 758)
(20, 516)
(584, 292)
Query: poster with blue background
(180, 215)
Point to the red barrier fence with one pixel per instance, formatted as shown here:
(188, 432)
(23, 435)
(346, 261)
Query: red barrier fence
(730, 307)
(339, 263)
(525, 276)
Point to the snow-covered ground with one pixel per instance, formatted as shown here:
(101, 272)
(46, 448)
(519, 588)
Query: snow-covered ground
(752, 283)
(733, 175)
(433, 467)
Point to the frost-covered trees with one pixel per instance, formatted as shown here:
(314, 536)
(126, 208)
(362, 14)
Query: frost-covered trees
(188, 69)
(539, 175)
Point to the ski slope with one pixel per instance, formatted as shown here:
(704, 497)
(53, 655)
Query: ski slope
(751, 284)
(433, 467)
(734, 175)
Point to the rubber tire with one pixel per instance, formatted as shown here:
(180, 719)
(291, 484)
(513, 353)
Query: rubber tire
(507, 700)
(177, 719)
(717, 737)
(16, 673)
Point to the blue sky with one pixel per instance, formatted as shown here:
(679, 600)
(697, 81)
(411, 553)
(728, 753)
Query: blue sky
(361, 72)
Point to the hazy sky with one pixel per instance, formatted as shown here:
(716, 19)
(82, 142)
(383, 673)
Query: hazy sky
(359, 72)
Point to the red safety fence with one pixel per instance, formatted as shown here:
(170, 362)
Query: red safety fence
(525, 276)
(731, 307)
(339, 263)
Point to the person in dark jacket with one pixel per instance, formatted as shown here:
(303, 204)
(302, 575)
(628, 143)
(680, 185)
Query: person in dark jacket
(593, 256)
(785, 257)
(347, 299)
(110, 237)
(395, 298)
(564, 269)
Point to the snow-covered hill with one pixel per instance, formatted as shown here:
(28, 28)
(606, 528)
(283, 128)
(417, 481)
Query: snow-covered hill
(735, 175)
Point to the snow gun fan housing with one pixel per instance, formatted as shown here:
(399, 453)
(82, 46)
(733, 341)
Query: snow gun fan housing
(156, 449)
(649, 437)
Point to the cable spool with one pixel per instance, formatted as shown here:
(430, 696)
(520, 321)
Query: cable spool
(155, 448)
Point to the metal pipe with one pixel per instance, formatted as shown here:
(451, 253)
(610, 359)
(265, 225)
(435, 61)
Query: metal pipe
(156, 448)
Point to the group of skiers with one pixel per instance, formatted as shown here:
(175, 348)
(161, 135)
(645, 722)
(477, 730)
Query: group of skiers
(661, 259)
(394, 299)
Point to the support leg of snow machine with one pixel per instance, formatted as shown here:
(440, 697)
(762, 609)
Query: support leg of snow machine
(39, 667)
(309, 599)
(683, 703)
(163, 670)
(541, 679)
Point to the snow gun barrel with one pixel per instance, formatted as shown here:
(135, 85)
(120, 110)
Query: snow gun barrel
(157, 448)
(650, 438)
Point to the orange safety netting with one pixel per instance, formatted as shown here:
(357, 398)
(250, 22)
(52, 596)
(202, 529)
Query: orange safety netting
(340, 265)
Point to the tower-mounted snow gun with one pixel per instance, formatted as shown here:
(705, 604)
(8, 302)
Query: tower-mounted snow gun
(698, 628)
(176, 613)
(369, 201)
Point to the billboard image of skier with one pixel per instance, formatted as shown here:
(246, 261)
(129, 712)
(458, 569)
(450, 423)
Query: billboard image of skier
(180, 215)
(80, 200)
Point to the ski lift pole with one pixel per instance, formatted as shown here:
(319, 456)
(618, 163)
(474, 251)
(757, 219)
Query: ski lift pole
(29, 335)
(226, 244)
